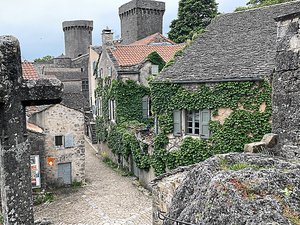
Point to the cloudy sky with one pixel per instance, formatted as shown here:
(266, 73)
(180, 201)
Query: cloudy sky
(37, 23)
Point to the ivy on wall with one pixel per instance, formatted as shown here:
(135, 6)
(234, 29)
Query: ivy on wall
(121, 137)
(247, 123)
(156, 59)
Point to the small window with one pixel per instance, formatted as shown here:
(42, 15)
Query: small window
(146, 107)
(154, 69)
(94, 69)
(112, 110)
(59, 141)
(99, 106)
(100, 72)
(198, 123)
(109, 71)
(85, 85)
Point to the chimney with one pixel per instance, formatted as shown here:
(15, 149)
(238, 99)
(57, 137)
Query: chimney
(107, 37)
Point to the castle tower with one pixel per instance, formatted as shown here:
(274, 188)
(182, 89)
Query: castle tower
(140, 18)
(78, 37)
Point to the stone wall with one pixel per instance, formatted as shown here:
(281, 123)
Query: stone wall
(144, 177)
(140, 18)
(78, 37)
(286, 86)
(163, 190)
(64, 121)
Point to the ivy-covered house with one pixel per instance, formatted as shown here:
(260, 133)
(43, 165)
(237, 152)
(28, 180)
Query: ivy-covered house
(216, 97)
(122, 96)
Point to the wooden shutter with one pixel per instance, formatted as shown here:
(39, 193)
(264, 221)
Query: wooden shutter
(145, 105)
(177, 122)
(94, 67)
(69, 141)
(204, 123)
(109, 110)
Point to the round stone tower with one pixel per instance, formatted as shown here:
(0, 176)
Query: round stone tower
(140, 18)
(78, 37)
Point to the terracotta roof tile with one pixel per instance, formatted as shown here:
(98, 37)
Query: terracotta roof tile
(34, 128)
(128, 55)
(29, 72)
(154, 38)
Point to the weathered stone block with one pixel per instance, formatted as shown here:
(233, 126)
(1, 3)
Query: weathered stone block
(255, 147)
(271, 140)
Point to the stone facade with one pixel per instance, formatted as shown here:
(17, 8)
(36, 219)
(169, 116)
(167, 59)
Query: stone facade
(163, 190)
(78, 37)
(286, 85)
(15, 95)
(61, 121)
(140, 18)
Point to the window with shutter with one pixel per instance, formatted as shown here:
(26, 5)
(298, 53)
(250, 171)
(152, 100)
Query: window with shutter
(154, 69)
(204, 123)
(177, 123)
(58, 141)
(198, 123)
(69, 141)
(145, 107)
(94, 68)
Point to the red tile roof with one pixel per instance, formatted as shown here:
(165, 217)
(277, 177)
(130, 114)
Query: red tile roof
(154, 38)
(29, 72)
(128, 55)
(34, 128)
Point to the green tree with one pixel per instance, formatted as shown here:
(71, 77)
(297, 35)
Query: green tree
(193, 17)
(44, 59)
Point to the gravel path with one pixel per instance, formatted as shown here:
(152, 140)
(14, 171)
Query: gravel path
(107, 199)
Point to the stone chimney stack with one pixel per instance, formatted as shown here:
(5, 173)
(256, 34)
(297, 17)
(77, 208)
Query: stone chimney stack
(107, 37)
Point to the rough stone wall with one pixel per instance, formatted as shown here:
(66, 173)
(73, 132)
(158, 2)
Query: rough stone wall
(61, 120)
(105, 63)
(15, 95)
(286, 87)
(140, 18)
(163, 190)
(78, 37)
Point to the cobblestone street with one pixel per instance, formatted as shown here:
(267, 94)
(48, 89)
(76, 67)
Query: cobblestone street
(107, 199)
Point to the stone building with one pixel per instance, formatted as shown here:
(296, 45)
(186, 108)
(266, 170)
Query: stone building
(121, 63)
(217, 181)
(56, 135)
(72, 68)
(237, 49)
(64, 157)
(78, 37)
(127, 62)
(140, 18)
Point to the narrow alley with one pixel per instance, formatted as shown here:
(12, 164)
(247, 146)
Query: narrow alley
(107, 199)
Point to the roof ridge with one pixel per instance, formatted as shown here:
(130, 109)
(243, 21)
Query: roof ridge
(260, 8)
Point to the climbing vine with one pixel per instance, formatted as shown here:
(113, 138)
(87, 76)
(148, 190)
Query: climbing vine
(156, 59)
(248, 122)
(121, 137)
(249, 104)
